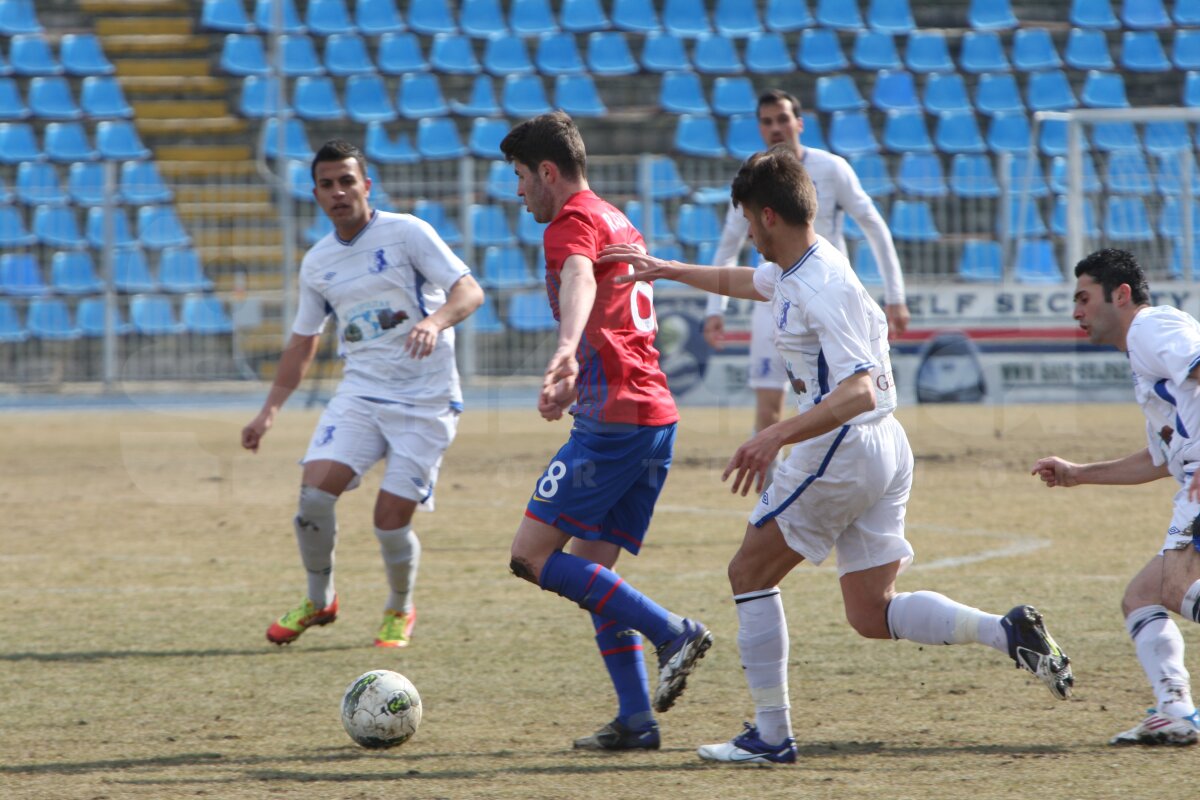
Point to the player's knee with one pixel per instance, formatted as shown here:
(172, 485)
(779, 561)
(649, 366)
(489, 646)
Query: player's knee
(869, 622)
(522, 569)
(315, 508)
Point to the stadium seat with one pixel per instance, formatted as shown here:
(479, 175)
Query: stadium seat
(6, 196)
(295, 140)
(314, 98)
(453, 54)
(67, 142)
(50, 98)
(205, 315)
(317, 229)
(665, 181)
(1036, 262)
(489, 226)
(1087, 49)
(1128, 173)
(1191, 89)
(73, 272)
(664, 52)
(531, 17)
(851, 135)
(656, 231)
(991, 15)
(141, 183)
(1179, 258)
(785, 16)
(49, 319)
(1059, 179)
(179, 271)
(874, 51)
(102, 98)
(485, 136)
(697, 135)
(438, 139)
(812, 134)
(838, 15)
(225, 15)
(1024, 175)
(838, 93)
(742, 139)
(90, 317)
(153, 315)
(865, 266)
(890, 16)
(608, 54)
(997, 93)
(435, 214)
(265, 15)
(686, 18)
(1052, 137)
(368, 100)
(957, 132)
(1185, 52)
(682, 93)
(12, 330)
(872, 174)
(506, 54)
(1142, 51)
(1144, 14)
(556, 54)
(1033, 49)
(159, 227)
(300, 56)
(1186, 12)
(529, 312)
(1009, 133)
(377, 17)
(505, 267)
(85, 184)
(820, 51)
(482, 101)
(243, 54)
(346, 54)
(767, 53)
(1049, 90)
(12, 105)
(529, 230)
(981, 261)
(920, 175)
(260, 97)
(400, 53)
(485, 320)
(927, 52)
(1093, 14)
(524, 96)
(1170, 221)
(29, 54)
(1171, 171)
(420, 96)
(737, 18)
(480, 19)
(329, 18)
(122, 236)
(583, 16)
(971, 175)
(982, 51)
(734, 95)
(905, 132)
(946, 92)
(17, 143)
(1125, 219)
(577, 95)
(13, 232)
(912, 221)
(636, 16)
(1020, 217)
(502, 183)
(1113, 136)
(55, 226)
(300, 182)
(21, 276)
(431, 17)
(895, 90)
(716, 54)
(37, 183)
(1058, 218)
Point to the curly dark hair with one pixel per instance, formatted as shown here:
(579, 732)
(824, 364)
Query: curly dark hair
(1110, 268)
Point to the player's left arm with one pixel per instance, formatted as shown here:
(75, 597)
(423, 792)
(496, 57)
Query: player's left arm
(858, 204)
(576, 296)
(464, 297)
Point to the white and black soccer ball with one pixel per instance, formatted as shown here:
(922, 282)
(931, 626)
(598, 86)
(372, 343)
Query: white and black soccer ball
(381, 709)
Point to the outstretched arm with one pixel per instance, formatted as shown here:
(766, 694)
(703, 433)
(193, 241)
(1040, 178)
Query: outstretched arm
(729, 281)
(1132, 469)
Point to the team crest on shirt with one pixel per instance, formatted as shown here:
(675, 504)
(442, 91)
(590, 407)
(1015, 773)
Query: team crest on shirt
(325, 436)
(378, 262)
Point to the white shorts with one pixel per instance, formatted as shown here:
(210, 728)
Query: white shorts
(848, 488)
(358, 432)
(767, 370)
(1183, 514)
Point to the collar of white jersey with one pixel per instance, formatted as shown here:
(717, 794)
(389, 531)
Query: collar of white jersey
(803, 258)
(357, 236)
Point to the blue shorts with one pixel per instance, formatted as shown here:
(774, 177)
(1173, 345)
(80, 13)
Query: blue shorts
(603, 483)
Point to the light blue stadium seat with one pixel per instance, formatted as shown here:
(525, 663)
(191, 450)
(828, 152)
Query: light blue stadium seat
(583, 16)
(716, 54)
(505, 267)
(502, 183)
(50, 98)
(435, 214)
(315, 98)
(179, 271)
(1142, 51)
(141, 183)
(12, 105)
(1036, 262)
(1172, 169)
(946, 92)
(1170, 220)
(17, 143)
(912, 221)
(300, 56)
(1059, 179)
(453, 54)
(737, 18)
(813, 135)
(524, 96)
(159, 227)
(153, 315)
(1049, 90)
(49, 319)
(1087, 48)
(481, 102)
(438, 139)
(485, 136)
(506, 54)
(530, 312)
(400, 53)
(1186, 12)
(838, 15)
(733, 95)
(420, 96)
(29, 54)
(6, 196)
(875, 50)
(997, 93)
(1144, 14)
(1024, 218)
(1052, 137)
(927, 52)
(55, 226)
(13, 232)
(865, 266)
(122, 233)
(767, 53)
(329, 18)
(682, 93)
(1033, 49)
(890, 16)
(1114, 136)
(295, 140)
(838, 93)
(21, 276)
(850, 134)
(101, 97)
(697, 135)
(243, 54)
(485, 320)
(17, 17)
(1125, 219)
(37, 183)
(317, 229)
(377, 17)
(1058, 218)
(958, 132)
(368, 100)
(431, 17)
(482, 18)
(265, 16)
(608, 54)
(991, 15)
(905, 132)
(1179, 257)
(637, 16)
(820, 51)
(73, 272)
(920, 175)
(1024, 175)
(686, 18)
(489, 226)
(872, 174)
(556, 54)
(85, 184)
(665, 181)
(697, 224)
(260, 97)
(785, 16)
(1093, 14)
(225, 15)
(12, 330)
(577, 95)
(657, 232)
(1191, 89)
(1128, 173)
(971, 175)
(382, 148)
(205, 315)
(531, 17)
(1009, 132)
(742, 139)
(895, 90)
(982, 262)
(664, 52)
(67, 142)
(982, 51)
(346, 54)
(1185, 52)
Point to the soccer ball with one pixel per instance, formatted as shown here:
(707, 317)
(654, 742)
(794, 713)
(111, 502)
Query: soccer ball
(381, 709)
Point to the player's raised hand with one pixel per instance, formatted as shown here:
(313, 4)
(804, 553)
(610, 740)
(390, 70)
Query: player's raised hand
(253, 433)
(1055, 471)
(752, 462)
(642, 265)
(422, 339)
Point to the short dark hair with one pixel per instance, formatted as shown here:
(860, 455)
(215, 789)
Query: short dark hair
(550, 137)
(776, 179)
(773, 96)
(338, 150)
(1110, 268)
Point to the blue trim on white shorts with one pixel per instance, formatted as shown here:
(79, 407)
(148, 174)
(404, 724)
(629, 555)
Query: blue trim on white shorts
(807, 481)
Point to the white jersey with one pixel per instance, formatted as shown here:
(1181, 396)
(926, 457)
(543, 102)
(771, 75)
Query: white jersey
(397, 263)
(827, 328)
(839, 192)
(1164, 347)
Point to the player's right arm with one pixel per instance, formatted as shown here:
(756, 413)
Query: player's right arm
(1133, 469)
(293, 365)
(728, 281)
(733, 237)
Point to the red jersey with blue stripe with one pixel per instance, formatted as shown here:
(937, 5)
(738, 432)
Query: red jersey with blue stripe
(619, 377)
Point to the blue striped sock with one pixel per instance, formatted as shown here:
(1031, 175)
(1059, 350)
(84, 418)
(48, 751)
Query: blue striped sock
(621, 649)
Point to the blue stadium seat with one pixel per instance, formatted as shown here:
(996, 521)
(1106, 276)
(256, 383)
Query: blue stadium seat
(971, 175)
(400, 53)
(122, 235)
(346, 54)
(741, 136)
(698, 224)
(991, 15)
(453, 54)
(1186, 12)
(265, 16)
(1191, 89)
(1024, 175)
(5, 194)
(51, 98)
(767, 53)
(1059, 179)
(17, 143)
(927, 52)
(658, 231)
(608, 54)
(368, 100)
(438, 139)
(1049, 90)
(890, 16)
(1093, 14)
(838, 93)
(1113, 136)
(382, 148)
(179, 271)
(946, 92)
(997, 93)
(872, 174)
(734, 95)
(737, 18)
(37, 184)
(1058, 218)
(317, 229)
(485, 320)
(506, 54)
(1036, 262)
(524, 96)
(577, 95)
(865, 266)
(905, 132)
(785, 16)
(1009, 133)
(838, 15)
(85, 184)
(1128, 173)
(21, 276)
(1170, 221)
(1166, 137)
(300, 56)
(686, 18)
(1143, 14)
(1087, 49)
(67, 142)
(101, 97)
(12, 105)
(895, 90)
(159, 227)
(502, 183)
(716, 54)
(49, 319)
(55, 226)
(1021, 217)
(982, 51)
(530, 312)
(489, 226)
(912, 221)
(481, 18)
(17, 17)
(531, 17)
(205, 315)
(851, 135)
(141, 183)
(1185, 52)
(420, 96)
(557, 54)
(12, 330)
(435, 214)
(664, 52)
(1142, 51)
(1033, 49)
(225, 15)
(957, 132)
(377, 17)
(820, 51)
(153, 315)
(583, 16)
(431, 17)
(920, 175)
(530, 231)
(636, 16)
(1125, 219)
(329, 18)
(13, 232)
(697, 135)
(505, 267)
(1179, 258)
(665, 181)
(260, 97)
(811, 134)
(1052, 137)
(74, 272)
(682, 93)
(874, 51)
(29, 54)
(482, 101)
(485, 136)
(299, 175)
(295, 140)
(243, 54)
(314, 98)
(981, 261)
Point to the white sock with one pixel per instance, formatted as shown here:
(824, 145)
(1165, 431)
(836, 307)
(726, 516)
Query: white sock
(932, 618)
(401, 551)
(763, 645)
(316, 535)
(1159, 646)
(1190, 607)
